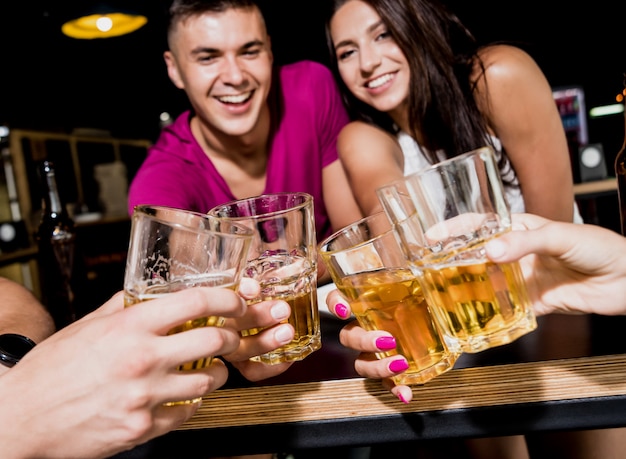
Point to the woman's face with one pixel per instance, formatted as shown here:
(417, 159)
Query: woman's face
(370, 62)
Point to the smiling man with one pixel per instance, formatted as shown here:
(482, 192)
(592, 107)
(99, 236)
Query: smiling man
(253, 127)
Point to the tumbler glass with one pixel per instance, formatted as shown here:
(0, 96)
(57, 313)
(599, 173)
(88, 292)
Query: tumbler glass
(283, 258)
(368, 267)
(172, 249)
(444, 215)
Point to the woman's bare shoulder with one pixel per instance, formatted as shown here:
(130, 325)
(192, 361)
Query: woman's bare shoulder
(362, 133)
(506, 63)
(360, 145)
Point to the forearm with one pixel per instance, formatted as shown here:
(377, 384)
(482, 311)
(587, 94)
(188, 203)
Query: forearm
(22, 313)
(19, 407)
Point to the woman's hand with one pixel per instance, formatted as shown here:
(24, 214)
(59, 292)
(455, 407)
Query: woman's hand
(368, 343)
(569, 268)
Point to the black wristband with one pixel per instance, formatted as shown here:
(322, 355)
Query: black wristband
(13, 347)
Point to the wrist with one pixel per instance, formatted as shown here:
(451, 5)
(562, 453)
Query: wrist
(13, 347)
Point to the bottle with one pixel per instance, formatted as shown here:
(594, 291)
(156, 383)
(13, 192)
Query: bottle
(5, 157)
(56, 240)
(620, 173)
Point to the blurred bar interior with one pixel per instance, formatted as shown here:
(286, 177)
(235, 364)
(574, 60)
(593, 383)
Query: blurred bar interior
(94, 104)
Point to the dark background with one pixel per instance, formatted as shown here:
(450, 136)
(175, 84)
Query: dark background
(55, 83)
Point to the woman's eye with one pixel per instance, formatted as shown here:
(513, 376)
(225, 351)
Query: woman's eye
(345, 54)
(383, 35)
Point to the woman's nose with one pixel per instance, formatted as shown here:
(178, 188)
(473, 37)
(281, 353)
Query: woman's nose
(370, 59)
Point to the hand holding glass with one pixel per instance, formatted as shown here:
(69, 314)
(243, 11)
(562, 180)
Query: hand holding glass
(283, 258)
(444, 215)
(368, 266)
(172, 249)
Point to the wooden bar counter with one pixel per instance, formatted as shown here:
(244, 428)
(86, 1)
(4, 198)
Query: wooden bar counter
(569, 374)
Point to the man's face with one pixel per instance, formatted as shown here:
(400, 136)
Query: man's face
(223, 61)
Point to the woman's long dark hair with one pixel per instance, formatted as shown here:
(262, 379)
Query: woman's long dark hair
(442, 54)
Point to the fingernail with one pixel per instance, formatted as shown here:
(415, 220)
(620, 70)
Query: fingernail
(283, 334)
(384, 343)
(280, 310)
(247, 289)
(341, 310)
(399, 365)
(402, 399)
(495, 249)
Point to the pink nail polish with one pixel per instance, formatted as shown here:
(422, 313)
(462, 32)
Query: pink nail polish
(384, 343)
(341, 310)
(398, 365)
(402, 399)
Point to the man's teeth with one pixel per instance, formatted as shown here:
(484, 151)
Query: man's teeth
(379, 81)
(235, 99)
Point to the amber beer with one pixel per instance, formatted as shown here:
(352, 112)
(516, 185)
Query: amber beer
(443, 215)
(174, 249)
(369, 268)
(146, 293)
(477, 300)
(392, 300)
(283, 259)
(300, 292)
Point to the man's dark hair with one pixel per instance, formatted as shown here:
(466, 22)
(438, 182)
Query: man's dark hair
(182, 9)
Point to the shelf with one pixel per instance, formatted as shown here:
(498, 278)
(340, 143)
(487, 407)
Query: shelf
(594, 189)
(18, 256)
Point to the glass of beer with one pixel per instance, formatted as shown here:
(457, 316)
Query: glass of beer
(283, 258)
(444, 215)
(172, 249)
(368, 267)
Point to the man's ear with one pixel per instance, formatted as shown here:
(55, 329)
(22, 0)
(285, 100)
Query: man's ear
(172, 70)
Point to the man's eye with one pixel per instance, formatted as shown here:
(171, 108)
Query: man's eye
(252, 52)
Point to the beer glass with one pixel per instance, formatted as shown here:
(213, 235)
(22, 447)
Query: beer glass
(283, 258)
(367, 265)
(172, 249)
(444, 215)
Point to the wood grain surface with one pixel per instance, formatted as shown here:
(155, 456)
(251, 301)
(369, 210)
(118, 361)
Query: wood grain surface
(544, 381)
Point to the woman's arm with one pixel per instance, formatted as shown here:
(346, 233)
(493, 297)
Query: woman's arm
(517, 101)
(372, 158)
(339, 200)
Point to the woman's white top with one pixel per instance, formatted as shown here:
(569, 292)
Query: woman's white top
(415, 159)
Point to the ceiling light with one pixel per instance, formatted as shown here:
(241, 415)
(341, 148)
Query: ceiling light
(103, 24)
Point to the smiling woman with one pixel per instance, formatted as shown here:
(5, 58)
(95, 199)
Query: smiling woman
(422, 90)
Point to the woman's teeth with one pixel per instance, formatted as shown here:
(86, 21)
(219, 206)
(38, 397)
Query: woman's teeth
(379, 81)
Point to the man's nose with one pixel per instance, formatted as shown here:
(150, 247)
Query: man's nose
(232, 72)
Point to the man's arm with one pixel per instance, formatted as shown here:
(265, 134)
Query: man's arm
(22, 313)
